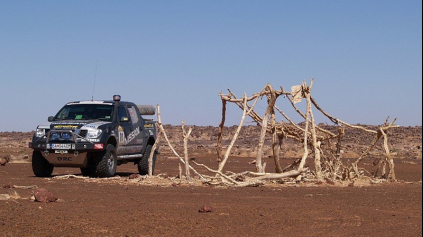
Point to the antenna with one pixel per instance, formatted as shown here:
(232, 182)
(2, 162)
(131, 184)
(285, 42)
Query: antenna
(95, 78)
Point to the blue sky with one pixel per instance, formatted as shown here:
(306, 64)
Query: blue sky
(365, 56)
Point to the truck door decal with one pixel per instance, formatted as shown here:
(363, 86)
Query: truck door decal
(132, 135)
(121, 135)
(126, 140)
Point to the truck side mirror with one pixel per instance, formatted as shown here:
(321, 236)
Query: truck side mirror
(50, 119)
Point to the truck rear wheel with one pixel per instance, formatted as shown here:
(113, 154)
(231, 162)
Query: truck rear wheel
(107, 164)
(143, 163)
(40, 166)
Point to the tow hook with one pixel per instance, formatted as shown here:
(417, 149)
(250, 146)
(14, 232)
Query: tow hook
(76, 153)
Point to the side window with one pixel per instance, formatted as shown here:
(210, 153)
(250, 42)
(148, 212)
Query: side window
(122, 113)
(133, 114)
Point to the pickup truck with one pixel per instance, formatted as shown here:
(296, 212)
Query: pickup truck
(95, 136)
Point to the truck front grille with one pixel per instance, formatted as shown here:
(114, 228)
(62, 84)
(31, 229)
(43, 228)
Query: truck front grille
(83, 133)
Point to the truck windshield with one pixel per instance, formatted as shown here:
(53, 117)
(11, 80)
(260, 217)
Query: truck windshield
(85, 112)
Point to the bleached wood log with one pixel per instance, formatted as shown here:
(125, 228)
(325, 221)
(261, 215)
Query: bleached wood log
(217, 172)
(292, 173)
(276, 146)
(272, 97)
(389, 158)
(220, 135)
(306, 152)
(316, 144)
(186, 136)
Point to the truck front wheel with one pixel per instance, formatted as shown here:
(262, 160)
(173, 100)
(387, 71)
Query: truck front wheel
(107, 164)
(143, 162)
(40, 166)
(90, 170)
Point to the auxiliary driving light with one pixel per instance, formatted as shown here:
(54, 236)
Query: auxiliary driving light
(116, 98)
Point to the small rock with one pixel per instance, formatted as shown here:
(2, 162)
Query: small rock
(133, 176)
(44, 196)
(3, 161)
(205, 209)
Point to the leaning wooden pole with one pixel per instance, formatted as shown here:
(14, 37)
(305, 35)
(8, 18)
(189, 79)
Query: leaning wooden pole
(388, 155)
(316, 144)
(305, 142)
(156, 143)
(186, 137)
(276, 146)
(153, 151)
(366, 153)
(220, 135)
(228, 151)
(272, 97)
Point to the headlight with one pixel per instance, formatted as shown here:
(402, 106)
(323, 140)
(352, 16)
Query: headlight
(40, 132)
(94, 133)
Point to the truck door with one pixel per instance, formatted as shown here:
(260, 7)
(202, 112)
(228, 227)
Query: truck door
(125, 129)
(136, 138)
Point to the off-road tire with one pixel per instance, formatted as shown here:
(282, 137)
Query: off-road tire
(40, 166)
(106, 167)
(143, 162)
(90, 170)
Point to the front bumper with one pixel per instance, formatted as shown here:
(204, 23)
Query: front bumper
(77, 156)
(80, 147)
(70, 153)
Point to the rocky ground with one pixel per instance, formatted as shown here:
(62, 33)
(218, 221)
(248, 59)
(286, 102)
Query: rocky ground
(130, 205)
(134, 206)
(405, 142)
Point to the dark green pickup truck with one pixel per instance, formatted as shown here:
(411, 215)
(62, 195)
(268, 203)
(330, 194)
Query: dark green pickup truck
(95, 136)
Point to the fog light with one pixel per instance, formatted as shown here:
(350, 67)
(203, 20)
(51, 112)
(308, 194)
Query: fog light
(98, 146)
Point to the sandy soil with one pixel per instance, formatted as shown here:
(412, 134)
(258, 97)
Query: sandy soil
(124, 207)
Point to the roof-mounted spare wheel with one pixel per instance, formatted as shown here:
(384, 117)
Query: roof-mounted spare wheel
(147, 109)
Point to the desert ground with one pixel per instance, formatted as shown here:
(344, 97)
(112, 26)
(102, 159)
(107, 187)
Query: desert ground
(130, 205)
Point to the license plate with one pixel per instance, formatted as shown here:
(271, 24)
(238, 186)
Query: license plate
(60, 146)
(61, 151)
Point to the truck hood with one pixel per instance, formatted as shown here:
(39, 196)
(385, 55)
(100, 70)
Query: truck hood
(73, 125)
